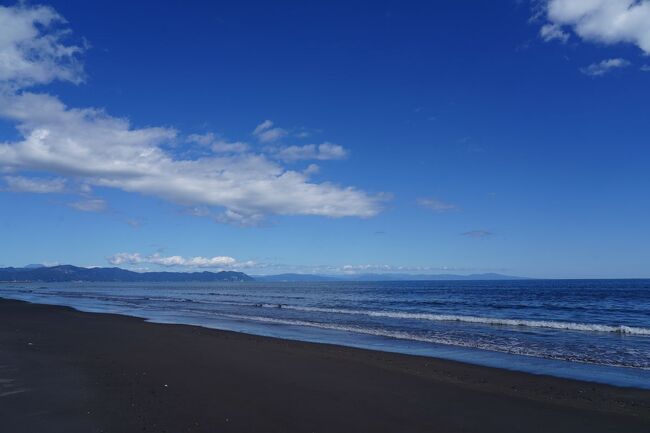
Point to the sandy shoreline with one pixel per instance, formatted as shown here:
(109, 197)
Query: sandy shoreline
(66, 371)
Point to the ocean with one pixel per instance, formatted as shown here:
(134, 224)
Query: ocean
(596, 330)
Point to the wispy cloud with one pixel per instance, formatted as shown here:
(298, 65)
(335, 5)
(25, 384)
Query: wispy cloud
(89, 205)
(241, 219)
(385, 268)
(603, 21)
(134, 223)
(303, 134)
(203, 139)
(324, 151)
(266, 133)
(477, 234)
(92, 148)
(604, 67)
(357, 269)
(553, 32)
(436, 205)
(217, 144)
(35, 185)
(198, 211)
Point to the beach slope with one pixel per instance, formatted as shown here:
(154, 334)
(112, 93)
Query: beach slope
(66, 371)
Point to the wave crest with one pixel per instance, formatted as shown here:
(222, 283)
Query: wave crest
(549, 324)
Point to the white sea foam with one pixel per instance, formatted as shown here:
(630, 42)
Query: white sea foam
(439, 339)
(569, 326)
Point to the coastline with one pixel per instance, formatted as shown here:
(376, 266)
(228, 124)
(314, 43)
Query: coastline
(66, 370)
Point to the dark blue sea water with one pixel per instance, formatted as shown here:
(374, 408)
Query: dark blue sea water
(587, 329)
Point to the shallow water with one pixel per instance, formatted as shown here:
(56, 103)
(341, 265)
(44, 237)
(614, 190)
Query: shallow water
(586, 329)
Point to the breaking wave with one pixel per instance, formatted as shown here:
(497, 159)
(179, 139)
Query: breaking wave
(569, 326)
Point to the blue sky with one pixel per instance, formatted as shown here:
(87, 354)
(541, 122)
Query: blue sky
(327, 137)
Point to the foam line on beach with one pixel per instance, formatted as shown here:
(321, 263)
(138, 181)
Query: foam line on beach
(569, 326)
(436, 339)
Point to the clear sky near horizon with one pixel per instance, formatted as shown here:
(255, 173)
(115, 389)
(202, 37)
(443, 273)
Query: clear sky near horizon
(327, 137)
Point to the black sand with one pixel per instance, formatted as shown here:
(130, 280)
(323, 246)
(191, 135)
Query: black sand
(66, 371)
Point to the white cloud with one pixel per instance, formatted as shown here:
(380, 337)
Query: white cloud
(202, 139)
(198, 211)
(436, 205)
(384, 268)
(217, 262)
(35, 185)
(324, 151)
(266, 125)
(354, 269)
(602, 68)
(550, 32)
(311, 169)
(221, 146)
(645, 68)
(351, 269)
(604, 21)
(89, 205)
(105, 151)
(94, 149)
(266, 133)
(31, 48)
(230, 216)
(217, 144)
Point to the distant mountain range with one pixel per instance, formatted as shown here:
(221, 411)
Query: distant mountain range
(65, 273)
(384, 277)
(73, 273)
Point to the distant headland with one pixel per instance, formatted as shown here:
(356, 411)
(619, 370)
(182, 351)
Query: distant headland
(64, 273)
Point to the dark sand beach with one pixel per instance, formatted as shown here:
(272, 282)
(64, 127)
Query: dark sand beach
(66, 371)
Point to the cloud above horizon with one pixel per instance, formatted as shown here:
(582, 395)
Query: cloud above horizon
(602, 21)
(216, 262)
(92, 148)
(150, 262)
(386, 268)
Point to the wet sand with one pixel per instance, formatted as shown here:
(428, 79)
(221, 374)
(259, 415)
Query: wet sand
(66, 371)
